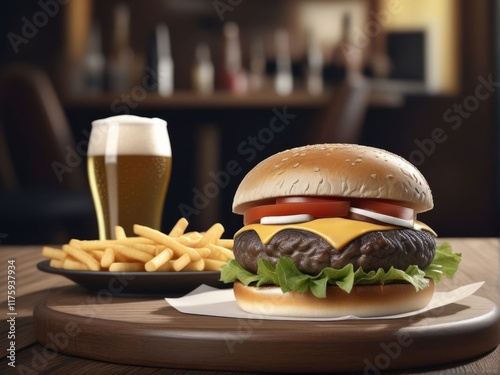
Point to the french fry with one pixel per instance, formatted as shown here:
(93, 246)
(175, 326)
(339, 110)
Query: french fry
(159, 260)
(56, 263)
(74, 265)
(120, 233)
(167, 267)
(126, 267)
(97, 254)
(189, 241)
(132, 253)
(108, 258)
(148, 250)
(193, 235)
(220, 253)
(203, 251)
(179, 228)
(181, 262)
(102, 244)
(195, 266)
(82, 256)
(212, 235)
(159, 249)
(119, 257)
(225, 242)
(50, 252)
(156, 236)
(213, 265)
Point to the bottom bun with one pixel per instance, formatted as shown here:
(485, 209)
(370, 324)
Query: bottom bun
(363, 301)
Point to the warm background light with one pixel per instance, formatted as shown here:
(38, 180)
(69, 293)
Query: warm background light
(439, 20)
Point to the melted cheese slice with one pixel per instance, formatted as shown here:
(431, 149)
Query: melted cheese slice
(337, 231)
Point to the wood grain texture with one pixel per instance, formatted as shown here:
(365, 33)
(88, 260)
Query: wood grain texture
(480, 263)
(118, 329)
(62, 364)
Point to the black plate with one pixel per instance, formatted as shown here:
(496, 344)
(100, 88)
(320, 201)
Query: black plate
(165, 284)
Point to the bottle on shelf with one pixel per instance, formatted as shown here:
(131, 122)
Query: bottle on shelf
(283, 80)
(203, 70)
(160, 62)
(347, 58)
(257, 73)
(233, 75)
(314, 69)
(93, 63)
(121, 59)
(378, 62)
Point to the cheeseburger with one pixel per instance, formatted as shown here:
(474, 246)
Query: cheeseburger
(331, 230)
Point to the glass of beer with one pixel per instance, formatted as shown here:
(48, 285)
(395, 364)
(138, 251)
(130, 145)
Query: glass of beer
(129, 167)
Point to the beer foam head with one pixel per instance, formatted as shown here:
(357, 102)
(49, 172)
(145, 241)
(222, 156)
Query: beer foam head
(129, 135)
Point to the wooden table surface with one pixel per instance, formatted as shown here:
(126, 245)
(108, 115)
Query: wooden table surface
(480, 263)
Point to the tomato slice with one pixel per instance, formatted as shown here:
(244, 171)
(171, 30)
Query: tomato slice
(385, 208)
(325, 207)
(322, 208)
(299, 199)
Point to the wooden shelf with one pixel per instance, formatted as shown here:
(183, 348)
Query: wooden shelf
(381, 96)
(188, 100)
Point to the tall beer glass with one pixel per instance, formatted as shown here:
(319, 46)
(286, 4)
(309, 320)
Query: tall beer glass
(129, 167)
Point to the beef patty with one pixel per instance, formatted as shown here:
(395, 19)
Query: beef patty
(399, 248)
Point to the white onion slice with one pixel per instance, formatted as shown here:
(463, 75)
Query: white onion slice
(383, 218)
(286, 219)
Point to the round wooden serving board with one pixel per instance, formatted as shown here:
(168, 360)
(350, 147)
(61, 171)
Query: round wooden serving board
(149, 332)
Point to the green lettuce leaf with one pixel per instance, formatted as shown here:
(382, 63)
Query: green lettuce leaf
(445, 263)
(286, 275)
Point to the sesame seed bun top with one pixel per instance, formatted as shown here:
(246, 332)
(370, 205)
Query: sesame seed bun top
(334, 170)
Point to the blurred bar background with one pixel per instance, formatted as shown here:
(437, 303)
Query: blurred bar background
(238, 81)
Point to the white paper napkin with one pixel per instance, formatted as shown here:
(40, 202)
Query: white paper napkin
(206, 300)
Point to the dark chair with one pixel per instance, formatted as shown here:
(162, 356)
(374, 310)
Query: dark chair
(44, 194)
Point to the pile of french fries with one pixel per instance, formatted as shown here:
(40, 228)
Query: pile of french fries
(149, 250)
